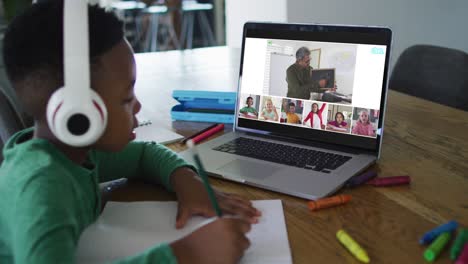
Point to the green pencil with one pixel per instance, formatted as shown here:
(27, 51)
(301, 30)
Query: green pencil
(201, 172)
(457, 246)
(436, 247)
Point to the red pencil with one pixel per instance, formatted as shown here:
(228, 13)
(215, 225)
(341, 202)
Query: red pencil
(390, 181)
(208, 133)
(198, 133)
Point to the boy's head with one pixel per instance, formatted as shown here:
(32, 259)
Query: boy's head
(292, 107)
(33, 54)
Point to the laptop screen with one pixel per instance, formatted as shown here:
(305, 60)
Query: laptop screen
(314, 82)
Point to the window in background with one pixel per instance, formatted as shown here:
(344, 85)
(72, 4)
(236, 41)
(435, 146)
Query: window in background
(157, 25)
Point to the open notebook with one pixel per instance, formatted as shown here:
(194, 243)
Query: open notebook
(126, 229)
(147, 131)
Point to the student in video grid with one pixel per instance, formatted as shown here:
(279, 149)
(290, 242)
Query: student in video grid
(291, 116)
(249, 111)
(298, 77)
(315, 116)
(269, 111)
(338, 125)
(49, 190)
(363, 126)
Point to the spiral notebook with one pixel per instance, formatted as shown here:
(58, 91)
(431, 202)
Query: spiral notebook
(147, 131)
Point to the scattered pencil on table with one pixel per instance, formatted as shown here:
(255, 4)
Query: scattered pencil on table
(463, 258)
(457, 246)
(361, 179)
(431, 253)
(390, 181)
(204, 177)
(329, 202)
(352, 246)
(432, 234)
(208, 133)
(198, 133)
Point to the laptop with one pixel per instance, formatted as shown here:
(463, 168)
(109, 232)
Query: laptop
(288, 136)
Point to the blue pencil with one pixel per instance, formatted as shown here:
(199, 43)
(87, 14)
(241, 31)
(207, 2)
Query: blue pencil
(434, 233)
(201, 172)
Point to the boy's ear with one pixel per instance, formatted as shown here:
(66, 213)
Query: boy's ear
(76, 122)
(75, 113)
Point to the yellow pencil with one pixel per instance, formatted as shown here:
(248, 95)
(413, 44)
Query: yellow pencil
(352, 246)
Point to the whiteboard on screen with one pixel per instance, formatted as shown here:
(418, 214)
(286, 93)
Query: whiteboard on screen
(279, 63)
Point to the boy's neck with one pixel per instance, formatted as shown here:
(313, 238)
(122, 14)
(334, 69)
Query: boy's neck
(75, 154)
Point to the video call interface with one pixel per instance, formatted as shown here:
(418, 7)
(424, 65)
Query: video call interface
(335, 87)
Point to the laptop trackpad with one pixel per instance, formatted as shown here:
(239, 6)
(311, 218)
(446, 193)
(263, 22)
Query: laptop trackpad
(248, 169)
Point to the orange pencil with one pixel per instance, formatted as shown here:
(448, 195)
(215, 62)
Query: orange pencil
(329, 202)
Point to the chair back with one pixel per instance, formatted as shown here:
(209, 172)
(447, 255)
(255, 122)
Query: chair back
(10, 121)
(433, 73)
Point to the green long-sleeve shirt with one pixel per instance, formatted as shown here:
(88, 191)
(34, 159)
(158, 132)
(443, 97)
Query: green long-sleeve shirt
(299, 83)
(46, 200)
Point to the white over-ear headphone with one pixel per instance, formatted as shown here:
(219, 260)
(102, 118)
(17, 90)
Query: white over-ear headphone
(75, 113)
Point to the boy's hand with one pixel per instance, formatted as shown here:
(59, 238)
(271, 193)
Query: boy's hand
(193, 200)
(222, 241)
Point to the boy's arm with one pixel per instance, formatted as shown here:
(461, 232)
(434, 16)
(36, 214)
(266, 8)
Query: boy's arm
(145, 160)
(47, 225)
(298, 120)
(160, 254)
(45, 230)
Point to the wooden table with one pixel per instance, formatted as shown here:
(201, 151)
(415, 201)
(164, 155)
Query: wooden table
(422, 139)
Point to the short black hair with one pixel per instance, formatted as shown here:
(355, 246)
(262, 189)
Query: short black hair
(33, 46)
(292, 104)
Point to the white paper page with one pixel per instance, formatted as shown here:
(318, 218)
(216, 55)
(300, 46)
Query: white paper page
(126, 229)
(152, 132)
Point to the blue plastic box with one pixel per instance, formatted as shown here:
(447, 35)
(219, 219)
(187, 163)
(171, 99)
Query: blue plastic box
(204, 106)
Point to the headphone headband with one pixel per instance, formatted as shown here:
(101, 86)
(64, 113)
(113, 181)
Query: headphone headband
(76, 51)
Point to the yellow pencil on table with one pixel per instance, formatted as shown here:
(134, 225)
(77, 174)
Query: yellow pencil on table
(352, 246)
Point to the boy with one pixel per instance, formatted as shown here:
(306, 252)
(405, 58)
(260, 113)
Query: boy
(249, 111)
(292, 117)
(49, 191)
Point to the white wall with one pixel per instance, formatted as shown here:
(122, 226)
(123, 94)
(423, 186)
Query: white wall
(279, 63)
(342, 57)
(435, 22)
(240, 11)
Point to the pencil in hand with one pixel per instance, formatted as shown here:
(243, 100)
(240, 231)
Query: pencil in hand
(203, 176)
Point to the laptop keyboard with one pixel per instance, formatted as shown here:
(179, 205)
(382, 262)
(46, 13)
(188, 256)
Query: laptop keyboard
(284, 154)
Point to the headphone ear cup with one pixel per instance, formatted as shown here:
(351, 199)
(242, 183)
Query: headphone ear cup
(76, 124)
(53, 106)
(101, 109)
